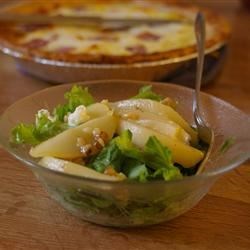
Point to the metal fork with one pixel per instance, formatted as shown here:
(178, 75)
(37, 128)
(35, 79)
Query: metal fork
(205, 133)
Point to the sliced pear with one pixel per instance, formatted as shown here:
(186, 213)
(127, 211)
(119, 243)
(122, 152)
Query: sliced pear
(166, 128)
(159, 109)
(64, 145)
(183, 154)
(156, 122)
(97, 110)
(76, 169)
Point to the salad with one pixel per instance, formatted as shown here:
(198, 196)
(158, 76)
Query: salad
(140, 139)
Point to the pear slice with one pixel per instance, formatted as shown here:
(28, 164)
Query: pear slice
(182, 153)
(166, 128)
(76, 169)
(156, 122)
(64, 145)
(159, 109)
(97, 110)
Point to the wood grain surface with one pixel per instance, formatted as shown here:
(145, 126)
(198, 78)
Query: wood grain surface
(29, 219)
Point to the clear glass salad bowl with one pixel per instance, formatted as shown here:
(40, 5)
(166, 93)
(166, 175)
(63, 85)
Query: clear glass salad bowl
(123, 204)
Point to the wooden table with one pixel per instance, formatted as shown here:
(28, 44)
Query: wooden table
(29, 219)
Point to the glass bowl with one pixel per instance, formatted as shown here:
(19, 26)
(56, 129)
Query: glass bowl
(123, 204)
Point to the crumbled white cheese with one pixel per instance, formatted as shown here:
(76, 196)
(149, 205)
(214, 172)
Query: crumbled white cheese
(65, 118)
(44, 112)
(78, 117)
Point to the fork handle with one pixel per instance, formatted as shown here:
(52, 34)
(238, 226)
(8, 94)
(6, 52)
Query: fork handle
(200, 33)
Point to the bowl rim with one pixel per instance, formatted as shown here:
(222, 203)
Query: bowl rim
(213, 173)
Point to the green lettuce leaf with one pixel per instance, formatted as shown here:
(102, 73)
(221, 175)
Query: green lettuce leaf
(23, 133)
(124, 143)
(119, 151)
(167, 174)
(154, 162)
(78, 96)
(33, 134)
(157, 155)
(109, 156)
(159, 158)
(46, 127)
(135, 170)
(60, 111)
(75, 97)
(146, 92)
